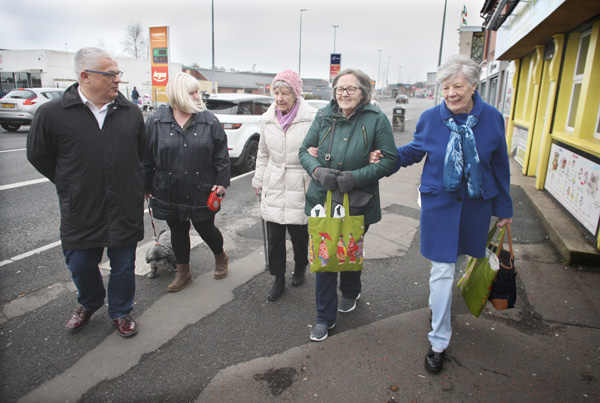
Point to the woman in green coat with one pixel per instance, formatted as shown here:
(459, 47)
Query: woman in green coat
(358, 127)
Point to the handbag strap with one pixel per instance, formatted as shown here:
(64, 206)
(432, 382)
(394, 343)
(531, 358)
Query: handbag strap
(512, 255)
(328, 155)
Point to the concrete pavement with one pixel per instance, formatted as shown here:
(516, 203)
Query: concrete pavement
(546, 349)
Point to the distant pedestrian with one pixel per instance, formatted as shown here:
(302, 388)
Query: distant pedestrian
(357, 127)
(465, 181)
(90, 144)
(135, 95)
(187, 159)
(282, 180)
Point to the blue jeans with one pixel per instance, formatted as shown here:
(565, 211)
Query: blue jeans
(83, 264)
(440, 303)
(326, 293)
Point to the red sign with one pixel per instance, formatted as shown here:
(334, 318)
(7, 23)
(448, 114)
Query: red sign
(160, 76)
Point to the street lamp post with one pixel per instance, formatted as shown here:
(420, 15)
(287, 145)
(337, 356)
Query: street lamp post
(379, 69)
(212, 13)
(399, 74)
(334, 33)
(387, 76)
(300, 44)
(435, 99)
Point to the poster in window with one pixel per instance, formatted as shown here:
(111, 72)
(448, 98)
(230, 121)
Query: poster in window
(574, 181)
(518, 144)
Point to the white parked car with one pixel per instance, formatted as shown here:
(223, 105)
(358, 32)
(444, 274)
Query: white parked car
(240, 116)
(19, 105)
(317, 103)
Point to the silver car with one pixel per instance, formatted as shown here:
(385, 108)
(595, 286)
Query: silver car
(18, 106)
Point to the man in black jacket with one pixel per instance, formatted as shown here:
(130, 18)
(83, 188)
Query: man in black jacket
(90, 144)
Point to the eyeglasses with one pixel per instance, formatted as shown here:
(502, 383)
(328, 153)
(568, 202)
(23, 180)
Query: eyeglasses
(349, 90)
(107, 74)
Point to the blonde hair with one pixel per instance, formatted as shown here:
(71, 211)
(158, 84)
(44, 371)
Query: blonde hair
(179, 88)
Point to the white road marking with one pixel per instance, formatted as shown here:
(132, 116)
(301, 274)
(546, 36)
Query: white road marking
(53, 244)
(31, 252)
(24, 183)
(14, 149)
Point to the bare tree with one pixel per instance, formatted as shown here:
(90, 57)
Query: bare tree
(135, 41)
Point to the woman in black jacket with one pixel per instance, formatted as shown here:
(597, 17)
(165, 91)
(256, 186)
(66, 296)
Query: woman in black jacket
(187, 159)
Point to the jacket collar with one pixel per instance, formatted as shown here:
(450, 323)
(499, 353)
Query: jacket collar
(71, 97)
(476, 111)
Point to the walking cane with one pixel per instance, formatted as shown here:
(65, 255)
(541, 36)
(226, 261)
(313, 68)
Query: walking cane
(264, 231)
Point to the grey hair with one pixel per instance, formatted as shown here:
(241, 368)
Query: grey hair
(459, 64)
(365, 83)
(87, 59)
(178, 91)
(279, 83)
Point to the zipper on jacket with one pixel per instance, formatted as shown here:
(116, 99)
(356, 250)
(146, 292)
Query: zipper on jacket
(326, 134)
(365, 137)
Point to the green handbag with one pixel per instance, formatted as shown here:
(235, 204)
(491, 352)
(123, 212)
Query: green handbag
(476, 284)
(336, 243)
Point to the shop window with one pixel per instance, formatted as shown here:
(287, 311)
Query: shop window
(7, 81)
(36, 80)
(493, 91)
(584, 44)
(22, 80)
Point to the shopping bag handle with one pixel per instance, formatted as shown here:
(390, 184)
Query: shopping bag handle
(329, 203)
(496, 238)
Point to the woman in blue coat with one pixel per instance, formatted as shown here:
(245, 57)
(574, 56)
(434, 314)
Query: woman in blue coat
(465, 181)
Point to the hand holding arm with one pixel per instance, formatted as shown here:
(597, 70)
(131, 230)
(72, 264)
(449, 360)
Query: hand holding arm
(375, 156)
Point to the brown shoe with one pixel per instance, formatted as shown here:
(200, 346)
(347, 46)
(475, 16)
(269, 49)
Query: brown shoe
(79, 319)
(126, 326)
(221, 265)
(183, 277)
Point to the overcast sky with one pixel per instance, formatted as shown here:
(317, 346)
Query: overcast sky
(259, 34)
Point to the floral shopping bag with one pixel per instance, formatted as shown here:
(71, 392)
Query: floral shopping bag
(335, 243)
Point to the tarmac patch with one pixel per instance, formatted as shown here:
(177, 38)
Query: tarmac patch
(278, 379)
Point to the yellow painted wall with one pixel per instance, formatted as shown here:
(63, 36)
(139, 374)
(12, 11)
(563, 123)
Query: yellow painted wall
(581, 136)
(542, 102)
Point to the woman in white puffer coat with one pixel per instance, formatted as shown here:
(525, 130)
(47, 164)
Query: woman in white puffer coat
(282, 179)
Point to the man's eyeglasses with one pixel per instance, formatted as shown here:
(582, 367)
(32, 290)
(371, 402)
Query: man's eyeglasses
(349, 90)
(107, 74)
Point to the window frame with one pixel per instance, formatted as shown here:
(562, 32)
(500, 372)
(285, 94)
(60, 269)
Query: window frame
(577, 81)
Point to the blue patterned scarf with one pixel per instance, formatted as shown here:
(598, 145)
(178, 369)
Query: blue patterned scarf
(462, 159)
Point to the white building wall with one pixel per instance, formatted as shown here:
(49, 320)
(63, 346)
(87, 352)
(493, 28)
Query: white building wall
(57, 68)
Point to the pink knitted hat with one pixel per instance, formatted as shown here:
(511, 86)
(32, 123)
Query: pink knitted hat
(290, 78)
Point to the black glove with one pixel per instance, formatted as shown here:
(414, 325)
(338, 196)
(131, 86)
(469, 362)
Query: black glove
(327, 177)
(345, 181)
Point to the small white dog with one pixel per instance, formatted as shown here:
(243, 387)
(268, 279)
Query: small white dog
(161, 256)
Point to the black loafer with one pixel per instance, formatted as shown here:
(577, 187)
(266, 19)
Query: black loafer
(434, 361)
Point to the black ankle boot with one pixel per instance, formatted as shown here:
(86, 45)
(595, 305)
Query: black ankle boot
(298, 276)
(277, 288)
